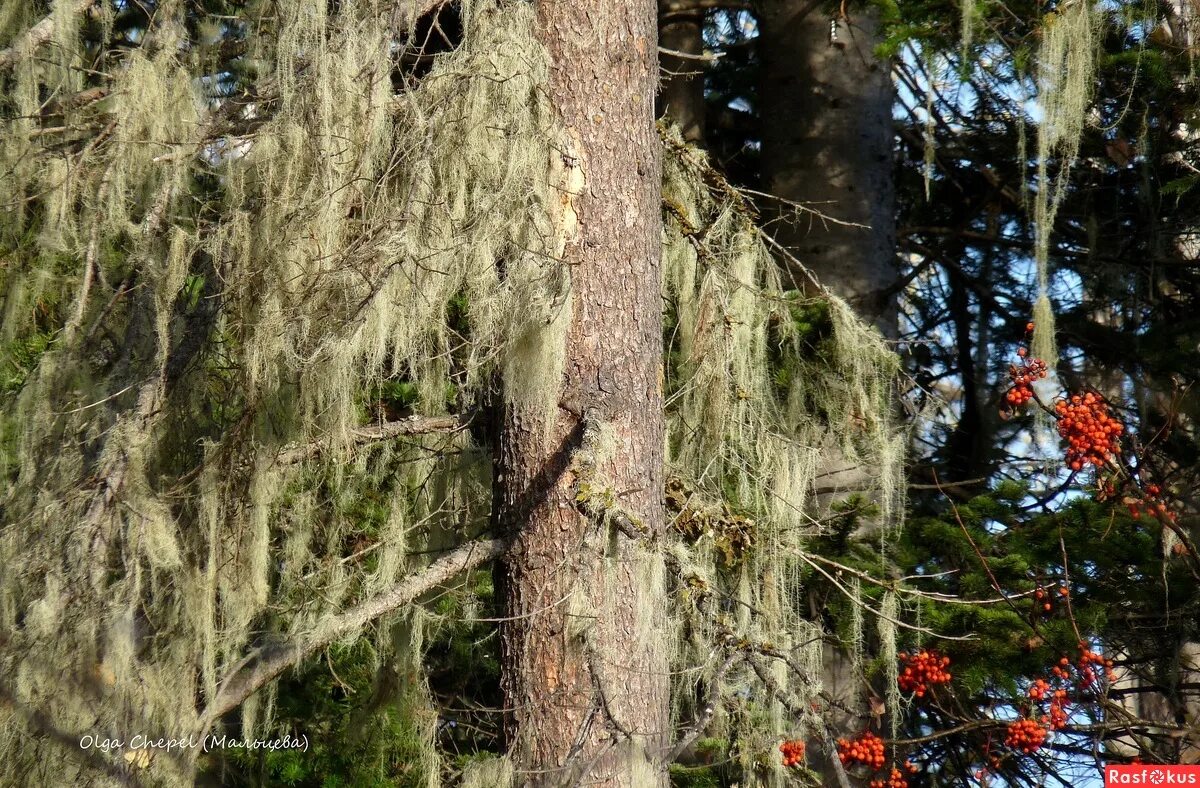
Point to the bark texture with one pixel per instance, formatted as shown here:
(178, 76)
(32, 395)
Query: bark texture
(584, 673)
(827, 140)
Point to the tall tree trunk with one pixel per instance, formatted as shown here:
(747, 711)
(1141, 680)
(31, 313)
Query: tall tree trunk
(584, 673)
(826, 108)
(682, 97)
(827, 141)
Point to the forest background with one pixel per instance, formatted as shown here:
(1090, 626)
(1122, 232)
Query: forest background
(493, 396)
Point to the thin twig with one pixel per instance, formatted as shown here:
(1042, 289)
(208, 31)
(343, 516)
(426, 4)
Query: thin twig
(381, 432)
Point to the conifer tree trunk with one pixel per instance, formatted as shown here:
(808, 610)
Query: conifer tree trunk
(584, 671)
(1161, 699)
(682, 96)
(826, 104)
(827, 140)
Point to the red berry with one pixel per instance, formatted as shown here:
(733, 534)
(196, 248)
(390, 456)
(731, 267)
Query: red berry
(922, 670)
(866, 748)
(1025, 735)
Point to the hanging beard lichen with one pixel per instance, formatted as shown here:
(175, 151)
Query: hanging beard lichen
(1066, 62)
(889, 613)
(766, 388)
(218, 275)
(234, 278)
(966, 31)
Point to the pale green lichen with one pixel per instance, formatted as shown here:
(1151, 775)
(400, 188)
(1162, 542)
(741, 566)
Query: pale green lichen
(355, 233)
(743, 429)
(1066, 67)
(889, 615)
(966, 31)
(489, 773)
(332, 257)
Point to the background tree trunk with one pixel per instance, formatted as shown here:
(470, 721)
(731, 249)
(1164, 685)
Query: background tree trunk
(827, 140)
(681, 29)
(584, 672)
(826, 108)
(1154, 691)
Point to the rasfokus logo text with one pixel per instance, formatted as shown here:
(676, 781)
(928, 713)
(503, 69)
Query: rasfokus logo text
(1151, 774)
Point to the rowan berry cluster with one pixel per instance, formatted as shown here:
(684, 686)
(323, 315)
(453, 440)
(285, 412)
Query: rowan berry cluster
(1092, 665)
(1152, 503)
(1041, 690)
(793, 752)
(865, 748)
(1025, 735)
(1058, 711)
(1023, 377)
(1091, 433)
(894, 780)
(923, 670)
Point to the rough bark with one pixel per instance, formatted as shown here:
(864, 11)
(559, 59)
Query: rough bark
(827, 141)
(681, 27)
(586, 687)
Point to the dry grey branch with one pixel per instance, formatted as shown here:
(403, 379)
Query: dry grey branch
(265, 664)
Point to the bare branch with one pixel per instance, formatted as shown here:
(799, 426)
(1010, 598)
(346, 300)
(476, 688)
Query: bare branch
(262, 666)
(384, 431)
(35, 36)
(707, 57)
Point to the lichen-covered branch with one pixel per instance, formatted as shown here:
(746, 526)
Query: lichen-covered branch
(265, 664)
(707, 711)
(384, 431)
(35, 36)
